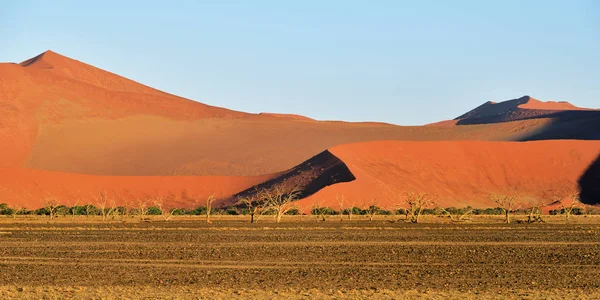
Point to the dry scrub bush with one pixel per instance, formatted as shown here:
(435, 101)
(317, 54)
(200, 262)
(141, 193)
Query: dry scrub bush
(459, 216)
(535, 215)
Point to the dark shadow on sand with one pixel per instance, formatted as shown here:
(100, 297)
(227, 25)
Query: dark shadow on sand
(589, 184)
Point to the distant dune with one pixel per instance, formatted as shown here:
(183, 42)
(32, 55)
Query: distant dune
(62, 116)
(522, 109)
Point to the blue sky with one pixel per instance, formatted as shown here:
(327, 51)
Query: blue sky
(403, 62)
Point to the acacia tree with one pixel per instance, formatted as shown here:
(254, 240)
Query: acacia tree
(51, 204)
(319, 210)
(17, 210)
(346, 206)
(126, 210)
(416, 202)
(255, 207)
(89, 209)
(105, 205)
(280, 199)
(567, 196)
(371, 209)
(142, 207)
(209, 202)
(507, 203)
(74, 208)
(567, 209)
(341, 202)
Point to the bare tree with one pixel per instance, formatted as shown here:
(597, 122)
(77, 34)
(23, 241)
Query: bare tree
(209, 202)
(159, 202)
(508, 204)
(341, 202)
(126, 210)
(16, 210)
(319, 210)
(88, 209)
(416, 203)
(105, 205)
(73, 208)
(142, 207)
(371, 209)
(280, 199)
(350, 205)
(565, 192)
(254, 207)
(51, 204)
(568, 208)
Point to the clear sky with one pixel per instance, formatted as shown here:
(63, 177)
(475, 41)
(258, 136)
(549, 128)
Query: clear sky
(403, 62)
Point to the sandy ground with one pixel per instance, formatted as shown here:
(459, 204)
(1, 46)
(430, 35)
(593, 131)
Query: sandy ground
(299, 259)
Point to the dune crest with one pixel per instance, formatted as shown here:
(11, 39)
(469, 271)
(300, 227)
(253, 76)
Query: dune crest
(524, 108)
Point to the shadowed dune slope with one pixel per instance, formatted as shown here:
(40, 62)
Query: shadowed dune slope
(522, 109)
(460, 173)
(589, 184)
(309, 177)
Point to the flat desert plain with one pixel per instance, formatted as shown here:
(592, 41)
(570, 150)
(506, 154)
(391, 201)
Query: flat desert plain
(301, 257)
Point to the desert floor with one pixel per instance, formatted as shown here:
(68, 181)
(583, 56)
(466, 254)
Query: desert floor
(299, 258)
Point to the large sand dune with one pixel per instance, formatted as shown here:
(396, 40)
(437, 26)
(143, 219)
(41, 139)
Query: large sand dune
(62, 119)
(460, 173)
(63, 115)
(31, 188)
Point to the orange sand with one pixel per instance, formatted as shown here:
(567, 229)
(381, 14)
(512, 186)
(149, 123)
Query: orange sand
(460, 173)
(70, 119)
(29, 188)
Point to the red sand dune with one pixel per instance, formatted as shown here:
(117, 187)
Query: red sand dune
(29, 188)
(521, 109)
(63, 115)
(287, 116)
(549, 105)
(460, 173)
(70, 119)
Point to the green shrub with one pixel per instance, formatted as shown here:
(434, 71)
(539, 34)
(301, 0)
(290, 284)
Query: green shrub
(198, 211)
(154, 211)
(323, 211)
(293, 212)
